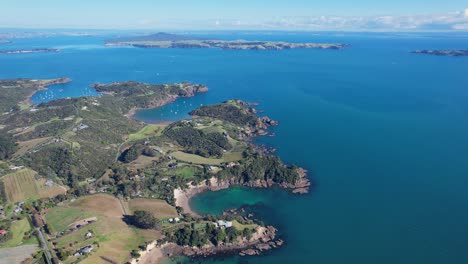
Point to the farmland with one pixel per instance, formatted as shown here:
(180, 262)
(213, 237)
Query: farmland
(19, 228)
(195, 158)
(23, 185)
(159, 208)
(115, 238)
(17, 254)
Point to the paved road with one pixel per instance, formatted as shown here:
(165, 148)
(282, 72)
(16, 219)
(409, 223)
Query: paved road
(44, 245)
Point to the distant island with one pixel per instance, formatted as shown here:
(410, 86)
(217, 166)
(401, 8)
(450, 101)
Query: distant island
(4, 41)
(166, 40)
(452, 53)
(28, 51)
(81, 170)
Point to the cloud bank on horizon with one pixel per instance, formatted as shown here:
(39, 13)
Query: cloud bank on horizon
(457, 21)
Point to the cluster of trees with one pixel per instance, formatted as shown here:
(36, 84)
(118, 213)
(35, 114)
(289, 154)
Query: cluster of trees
(259, 167)
(196, 141)
(236, 114)
(46, 130)
(130, 154)
(142, 219)
(191, 235)
(7, 146)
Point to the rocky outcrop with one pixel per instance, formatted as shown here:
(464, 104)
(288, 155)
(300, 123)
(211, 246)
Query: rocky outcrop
(262, 240)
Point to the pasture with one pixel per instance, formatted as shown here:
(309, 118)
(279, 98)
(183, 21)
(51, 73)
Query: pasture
(23, 185)
(159, 208)
(115, 238)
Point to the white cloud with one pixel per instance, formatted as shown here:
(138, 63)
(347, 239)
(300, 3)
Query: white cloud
(449, 21)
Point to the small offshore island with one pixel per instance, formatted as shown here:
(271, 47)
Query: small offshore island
(28, 51)
(451, 53)
(80, 169)
(165, 40)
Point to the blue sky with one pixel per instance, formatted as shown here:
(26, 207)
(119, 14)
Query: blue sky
(238, 14)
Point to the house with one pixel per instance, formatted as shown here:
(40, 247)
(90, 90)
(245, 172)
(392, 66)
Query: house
(80, 127)
(231, 165)
(224, 224)
(84, 250)
(3, 232)
(17, 210)
(172, 165)
(171, 220)
(15, 168)
(212, 168)
(176, 220)
(88, 235)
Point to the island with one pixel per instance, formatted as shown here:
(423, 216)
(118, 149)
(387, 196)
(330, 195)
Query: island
(165, 40)
(23, 51)
(4, 41)
(77, 170)
(451, 53)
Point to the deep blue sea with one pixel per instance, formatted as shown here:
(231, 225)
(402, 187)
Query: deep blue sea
(383, 133)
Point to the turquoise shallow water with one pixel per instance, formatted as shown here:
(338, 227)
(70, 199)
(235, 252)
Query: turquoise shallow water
(383, 133)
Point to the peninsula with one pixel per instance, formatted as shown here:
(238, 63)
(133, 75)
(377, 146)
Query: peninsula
(451, 53)
(80, 169)
(165, 40)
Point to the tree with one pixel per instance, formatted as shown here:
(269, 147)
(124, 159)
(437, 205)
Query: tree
(130, 154)
(7, 146)
(143, 219)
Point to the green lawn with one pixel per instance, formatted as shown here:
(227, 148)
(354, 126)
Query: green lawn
(196, 159)
(241, 227)
(18, 229)
(147, 131)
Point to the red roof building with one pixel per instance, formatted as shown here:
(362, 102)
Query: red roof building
(3, 232)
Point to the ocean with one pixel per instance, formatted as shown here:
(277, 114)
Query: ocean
(383, 133)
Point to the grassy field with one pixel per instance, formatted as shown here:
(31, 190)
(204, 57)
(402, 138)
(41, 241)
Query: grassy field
(23, 185)
(241, 227)
(17, 254)
(59, 218)
(116, 239)
(142, 162)
(195, 158)
(147, 131)
(160, 208)
(18, 228)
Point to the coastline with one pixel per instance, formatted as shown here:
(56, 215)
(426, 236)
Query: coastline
(182, 196)
(44, 86)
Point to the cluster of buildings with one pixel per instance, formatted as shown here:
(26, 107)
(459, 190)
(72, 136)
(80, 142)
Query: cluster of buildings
(18, 208)
(174, 220)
